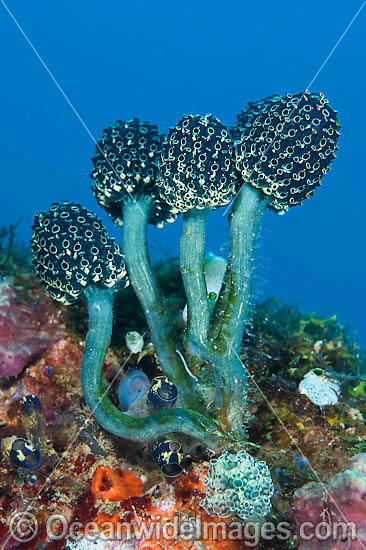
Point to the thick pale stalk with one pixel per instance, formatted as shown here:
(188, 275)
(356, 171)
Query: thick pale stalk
(220, 307)
(232, 311)
(230, 375)
(143, 279)
(231, 384)
(245, 219)
(192, 251)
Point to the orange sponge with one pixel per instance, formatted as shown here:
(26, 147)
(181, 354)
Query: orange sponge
(113, 485)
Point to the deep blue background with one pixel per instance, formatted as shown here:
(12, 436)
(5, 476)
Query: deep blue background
(158, 60)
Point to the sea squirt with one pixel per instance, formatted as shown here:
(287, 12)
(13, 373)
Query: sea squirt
(132, 387)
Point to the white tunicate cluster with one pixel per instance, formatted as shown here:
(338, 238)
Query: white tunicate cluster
(237, 483)
(320, 389)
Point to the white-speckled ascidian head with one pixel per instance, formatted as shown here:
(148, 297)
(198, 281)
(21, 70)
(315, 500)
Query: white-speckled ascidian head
(72, 249)
(285, 145)
(125, 169)
(197, 169)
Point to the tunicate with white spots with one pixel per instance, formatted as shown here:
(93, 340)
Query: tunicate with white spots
(285, 145)
(72, 249)
(320, 389)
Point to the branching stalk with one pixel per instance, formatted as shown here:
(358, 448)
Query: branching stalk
(143, 279)
(100, 309)
(230, 375)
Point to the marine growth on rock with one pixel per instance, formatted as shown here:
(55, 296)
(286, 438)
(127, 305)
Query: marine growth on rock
(162, 422)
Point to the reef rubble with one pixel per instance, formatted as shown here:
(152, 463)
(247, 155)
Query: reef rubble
(89, 475)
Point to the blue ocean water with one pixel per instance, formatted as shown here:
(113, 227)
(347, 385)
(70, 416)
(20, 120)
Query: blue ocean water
(68, 69)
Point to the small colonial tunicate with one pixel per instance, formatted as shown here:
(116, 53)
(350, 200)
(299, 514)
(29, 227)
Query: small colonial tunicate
(33, 422)
(134, 341)
(132, 387)
(320, 389)
(238, 484)
(31, 404)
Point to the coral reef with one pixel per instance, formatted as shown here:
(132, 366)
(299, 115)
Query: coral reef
(336, 511)
(29, 323)
(142, 421)
(281, 346)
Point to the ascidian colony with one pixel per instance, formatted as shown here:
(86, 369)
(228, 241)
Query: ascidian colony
(155, 405)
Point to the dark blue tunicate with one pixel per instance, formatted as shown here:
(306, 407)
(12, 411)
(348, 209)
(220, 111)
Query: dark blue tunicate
(162, 394)
(25, 455)
(33, 422)
(133, 386)
(168, 455)
(30, 403)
